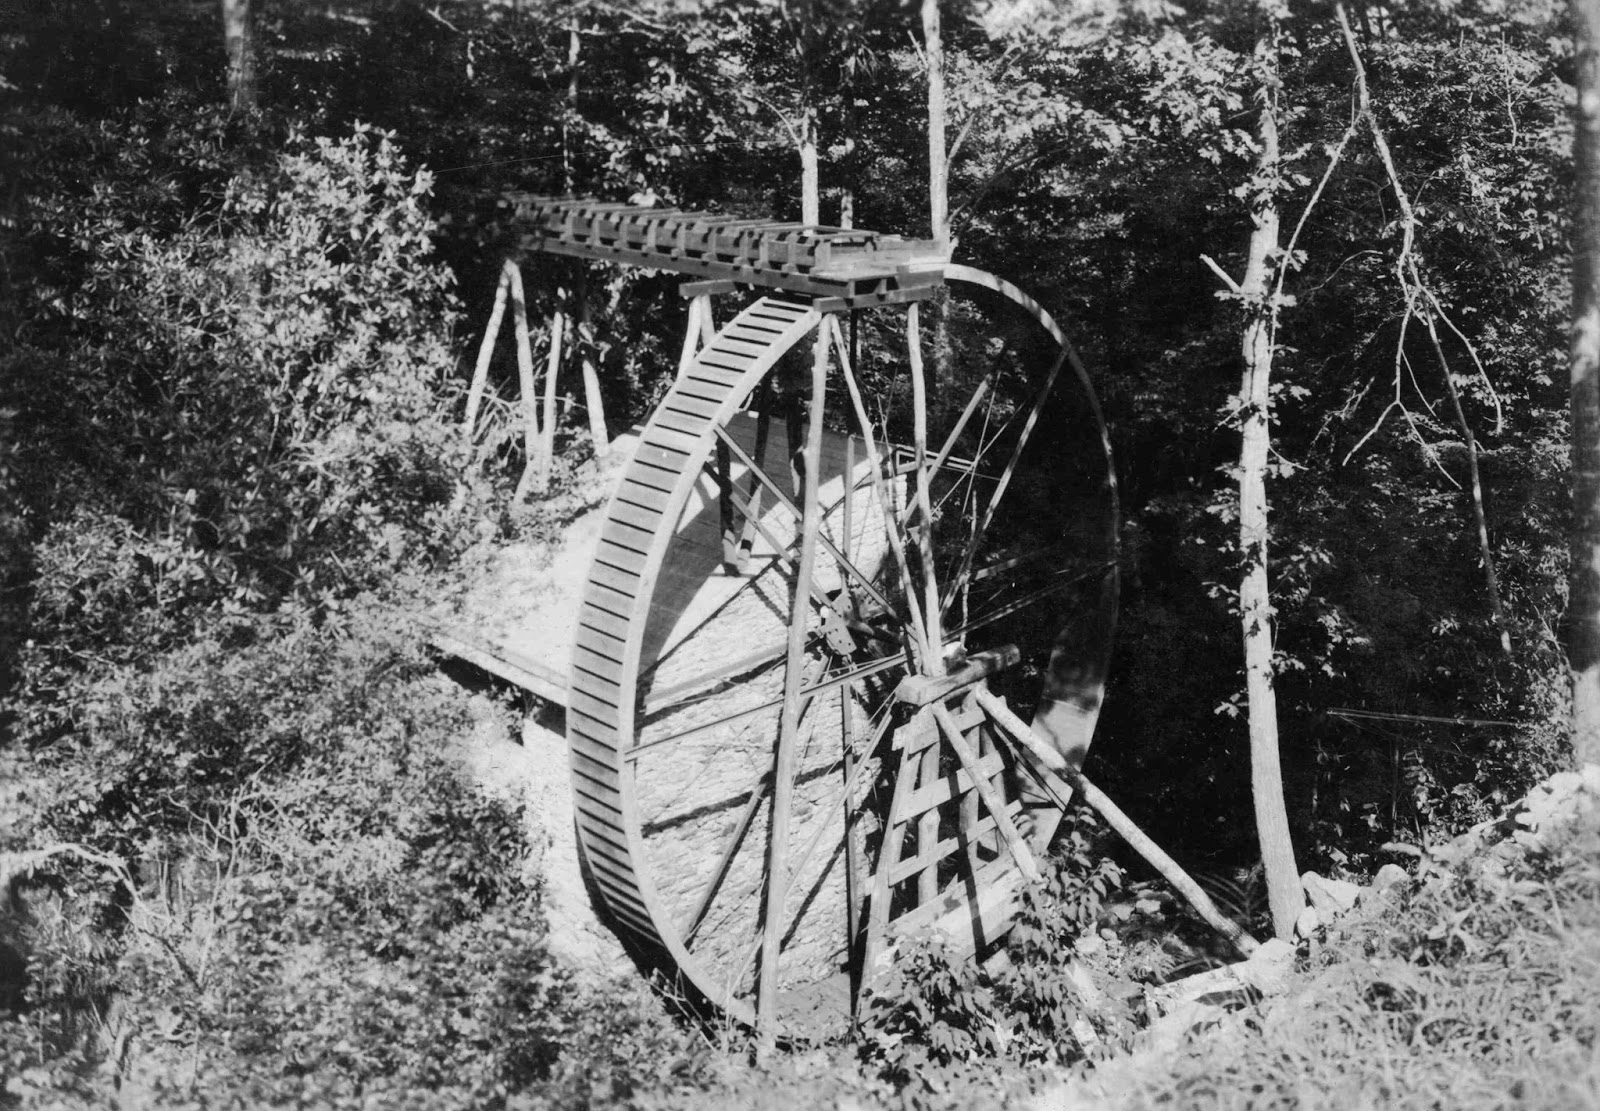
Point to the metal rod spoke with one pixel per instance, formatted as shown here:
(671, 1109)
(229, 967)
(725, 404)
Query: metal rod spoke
(772, 487)
(1005, 478)
(822, 686)
(942, 460)
(1028, 599)
(919, 627)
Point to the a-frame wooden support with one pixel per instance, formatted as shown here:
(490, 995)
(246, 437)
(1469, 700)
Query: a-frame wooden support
(538, 429)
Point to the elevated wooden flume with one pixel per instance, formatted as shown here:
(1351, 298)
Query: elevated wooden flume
(844, 268)
(821, 584)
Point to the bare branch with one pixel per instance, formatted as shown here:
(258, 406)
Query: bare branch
(1305, 214)
(1223, 274)
(1409, 274)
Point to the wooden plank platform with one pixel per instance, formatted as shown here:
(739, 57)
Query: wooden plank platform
(519, 620)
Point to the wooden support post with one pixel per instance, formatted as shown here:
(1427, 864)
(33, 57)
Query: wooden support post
(931, 610)
(852, 855)
(547, 446)
(480, 373)
(695, 332)
(1136, 838)
(584, 347)
(789, 724)
(530, 396)
(991, 798)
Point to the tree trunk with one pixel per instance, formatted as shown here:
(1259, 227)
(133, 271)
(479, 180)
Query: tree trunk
(938, 200)
(810, 188)
(574, 45)
(238, 36)
(1583, 603)
(938, 170)
(1255, 603)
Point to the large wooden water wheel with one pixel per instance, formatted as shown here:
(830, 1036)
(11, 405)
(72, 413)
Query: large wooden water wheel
(882, 483)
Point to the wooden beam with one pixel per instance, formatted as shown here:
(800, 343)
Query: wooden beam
(480, 373)
(789, 724)
(932, 612)
(511, 666)
(920, 690)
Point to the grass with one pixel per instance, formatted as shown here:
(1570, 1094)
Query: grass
(1472, 987)
(1477, 987)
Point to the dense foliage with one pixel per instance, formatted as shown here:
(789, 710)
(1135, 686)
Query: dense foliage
(231, 354)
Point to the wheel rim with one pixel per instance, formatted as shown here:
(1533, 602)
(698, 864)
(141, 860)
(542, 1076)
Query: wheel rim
(678, 683)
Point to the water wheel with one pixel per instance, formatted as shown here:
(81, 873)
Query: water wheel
(778, 766)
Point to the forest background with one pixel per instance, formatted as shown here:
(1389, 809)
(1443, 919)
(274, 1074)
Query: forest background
(236, 325)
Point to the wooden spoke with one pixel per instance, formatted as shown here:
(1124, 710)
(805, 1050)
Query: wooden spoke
(932, 611)
(678, 692)
(822, 686)
(778, 873)
(735, 839)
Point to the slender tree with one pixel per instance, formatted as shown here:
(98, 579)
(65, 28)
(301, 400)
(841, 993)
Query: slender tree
(1261, 296)
(1583, 605)
(938, 159)
(238, 36)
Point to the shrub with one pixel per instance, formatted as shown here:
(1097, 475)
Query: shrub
(247, 404)
(316, 908)
(939, 1009)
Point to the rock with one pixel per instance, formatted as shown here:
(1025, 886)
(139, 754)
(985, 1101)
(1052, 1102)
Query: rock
(1331, 898)
(1555, 805)
(1265, 973)
(1307, 923)
(1390, 875)
(1167, 1034)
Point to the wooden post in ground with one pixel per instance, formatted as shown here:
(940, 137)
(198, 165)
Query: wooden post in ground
(583, 346)
(789, 723)
(530, 398)
(547, 450)
(480, 373)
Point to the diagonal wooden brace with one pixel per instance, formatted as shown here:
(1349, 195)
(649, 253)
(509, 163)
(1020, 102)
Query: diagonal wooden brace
(980, 782)
(1136, 838)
